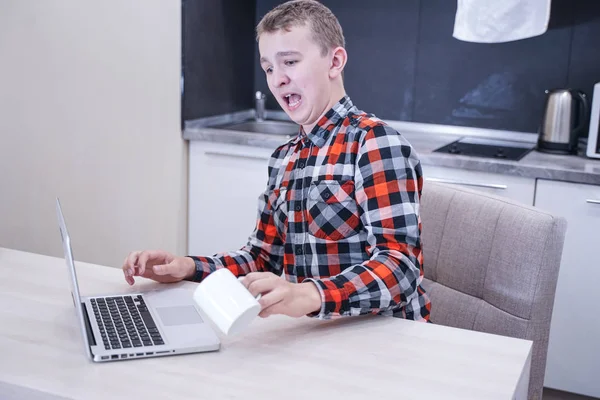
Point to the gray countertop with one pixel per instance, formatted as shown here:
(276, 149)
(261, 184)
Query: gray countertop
(578, 169)
(535, 164)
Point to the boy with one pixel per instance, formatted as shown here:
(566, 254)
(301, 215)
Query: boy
(340, 214)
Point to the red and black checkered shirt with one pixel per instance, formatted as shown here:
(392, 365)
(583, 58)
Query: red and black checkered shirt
(341, 209)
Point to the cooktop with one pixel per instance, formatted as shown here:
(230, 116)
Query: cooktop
(491, 148)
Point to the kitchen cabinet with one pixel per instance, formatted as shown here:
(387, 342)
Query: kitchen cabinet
(574, 346)
(225, 182)
(513, 187)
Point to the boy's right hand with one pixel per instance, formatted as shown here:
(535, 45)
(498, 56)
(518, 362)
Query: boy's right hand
(160, 266)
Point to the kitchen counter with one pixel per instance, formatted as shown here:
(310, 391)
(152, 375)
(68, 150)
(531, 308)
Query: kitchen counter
(535, 164)
(426, 138)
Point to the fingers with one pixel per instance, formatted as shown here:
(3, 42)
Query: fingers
(273, 289)
(173, 268)
(271, 302)
(137, 263)
(262, 284)
(251, 277)
(145, 256)
(129, 266)
(130, 262)
(128, 278)
(255, 276)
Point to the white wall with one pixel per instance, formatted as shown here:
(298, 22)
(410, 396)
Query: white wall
(89, 112)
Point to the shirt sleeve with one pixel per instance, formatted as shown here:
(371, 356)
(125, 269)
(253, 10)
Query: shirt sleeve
(388, 182)
(262, 252)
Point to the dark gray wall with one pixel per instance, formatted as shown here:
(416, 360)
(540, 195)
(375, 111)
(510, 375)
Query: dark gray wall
(405, 65)
(218, 56)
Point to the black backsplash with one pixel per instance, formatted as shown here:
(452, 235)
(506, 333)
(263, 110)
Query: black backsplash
(498, 86)
(404, 64)
(218, 57)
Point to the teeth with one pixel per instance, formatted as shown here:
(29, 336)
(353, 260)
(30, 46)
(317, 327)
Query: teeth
(290, 102)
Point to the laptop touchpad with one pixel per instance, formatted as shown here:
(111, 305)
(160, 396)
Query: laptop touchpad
(178, 315)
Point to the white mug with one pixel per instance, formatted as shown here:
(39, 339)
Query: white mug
(226, 302)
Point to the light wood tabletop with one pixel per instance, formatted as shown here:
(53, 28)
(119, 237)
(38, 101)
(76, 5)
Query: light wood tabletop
(369, 357)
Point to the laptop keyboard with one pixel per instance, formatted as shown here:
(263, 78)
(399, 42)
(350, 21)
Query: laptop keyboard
(125, 322)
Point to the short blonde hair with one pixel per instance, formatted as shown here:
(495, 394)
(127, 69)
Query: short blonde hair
(325, 27)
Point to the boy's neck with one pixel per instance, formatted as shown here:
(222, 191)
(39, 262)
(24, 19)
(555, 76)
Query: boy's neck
(337, 93)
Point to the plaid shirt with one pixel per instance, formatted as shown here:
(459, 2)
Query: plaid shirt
(341, 209)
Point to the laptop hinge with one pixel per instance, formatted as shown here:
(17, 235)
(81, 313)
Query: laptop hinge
(88, 326)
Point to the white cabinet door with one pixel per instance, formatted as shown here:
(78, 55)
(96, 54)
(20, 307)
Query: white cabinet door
(574, 347)
(225, 182)
(514, 187)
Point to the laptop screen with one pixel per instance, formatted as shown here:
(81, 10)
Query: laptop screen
(66, 242)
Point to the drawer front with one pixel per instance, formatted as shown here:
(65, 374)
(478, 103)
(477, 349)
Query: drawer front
(513, 187)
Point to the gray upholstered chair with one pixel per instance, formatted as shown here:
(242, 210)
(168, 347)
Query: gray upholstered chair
(491, 265)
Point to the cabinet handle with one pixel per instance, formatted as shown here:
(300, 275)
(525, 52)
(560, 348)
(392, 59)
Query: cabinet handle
(591, 201)
(219, 153)
(483, 185)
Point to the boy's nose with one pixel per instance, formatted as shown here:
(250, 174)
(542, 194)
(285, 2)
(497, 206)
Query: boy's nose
(281, 79)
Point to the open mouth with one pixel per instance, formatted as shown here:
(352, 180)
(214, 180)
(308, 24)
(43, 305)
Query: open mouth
(293, 101)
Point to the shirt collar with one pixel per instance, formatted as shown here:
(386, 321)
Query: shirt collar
(321, 131)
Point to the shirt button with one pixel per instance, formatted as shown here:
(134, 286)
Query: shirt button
(298, 249)
(326, 195)
(300, 164)
(298, 207)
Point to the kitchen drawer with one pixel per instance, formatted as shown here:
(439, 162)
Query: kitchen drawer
(514, 187)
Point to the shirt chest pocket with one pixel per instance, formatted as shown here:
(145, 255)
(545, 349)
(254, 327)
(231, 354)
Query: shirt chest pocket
(332, 210)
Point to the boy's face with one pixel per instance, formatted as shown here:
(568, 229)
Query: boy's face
(297, 74)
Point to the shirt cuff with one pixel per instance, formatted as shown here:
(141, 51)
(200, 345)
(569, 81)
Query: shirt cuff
(204, 266)
(334, 298)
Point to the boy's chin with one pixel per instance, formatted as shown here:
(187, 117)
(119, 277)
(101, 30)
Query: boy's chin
(297, 116)
(294, 117)
(298, 121)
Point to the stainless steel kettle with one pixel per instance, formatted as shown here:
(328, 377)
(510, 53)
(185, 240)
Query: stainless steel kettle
(565, 118)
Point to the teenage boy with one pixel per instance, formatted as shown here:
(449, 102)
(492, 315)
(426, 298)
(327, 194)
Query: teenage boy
(339, 217)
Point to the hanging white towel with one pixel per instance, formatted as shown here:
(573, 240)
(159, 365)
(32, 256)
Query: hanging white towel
(497, 21)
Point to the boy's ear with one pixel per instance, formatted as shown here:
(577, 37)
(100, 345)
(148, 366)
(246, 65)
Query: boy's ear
(339, 57)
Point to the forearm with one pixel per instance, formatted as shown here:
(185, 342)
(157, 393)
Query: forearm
(250, 258)
(239, 263)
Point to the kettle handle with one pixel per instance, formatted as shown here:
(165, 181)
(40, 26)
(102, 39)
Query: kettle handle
(583, 110)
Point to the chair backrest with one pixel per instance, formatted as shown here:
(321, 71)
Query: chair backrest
(491, 265)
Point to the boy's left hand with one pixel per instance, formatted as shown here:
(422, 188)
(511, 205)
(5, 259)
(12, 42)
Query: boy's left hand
(282, 297)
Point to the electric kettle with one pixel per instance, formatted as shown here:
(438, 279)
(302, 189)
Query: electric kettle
(565, 119)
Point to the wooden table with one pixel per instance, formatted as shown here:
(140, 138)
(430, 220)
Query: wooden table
(372, 357)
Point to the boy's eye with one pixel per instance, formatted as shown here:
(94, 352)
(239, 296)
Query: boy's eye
(290, 62)
(269, 70)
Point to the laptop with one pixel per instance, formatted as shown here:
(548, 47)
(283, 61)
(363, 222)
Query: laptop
(155, 323)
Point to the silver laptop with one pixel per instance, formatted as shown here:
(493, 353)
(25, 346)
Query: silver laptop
(137, 325)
